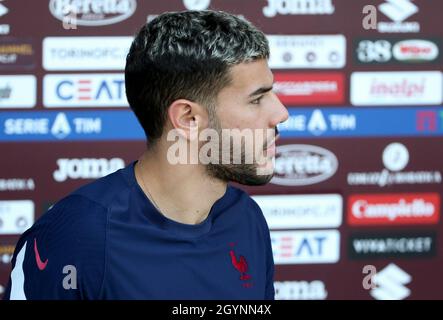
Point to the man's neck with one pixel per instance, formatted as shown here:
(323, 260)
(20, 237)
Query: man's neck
(184, 192)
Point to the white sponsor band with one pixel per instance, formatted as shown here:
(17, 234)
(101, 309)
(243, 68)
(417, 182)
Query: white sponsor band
(301, 211)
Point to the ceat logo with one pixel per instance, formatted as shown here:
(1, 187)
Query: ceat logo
(309, 88)
(393, 209)
(301, 165)
(93, 13)
(305, 247)
(415, 50)
(391, 284)
(82, 90)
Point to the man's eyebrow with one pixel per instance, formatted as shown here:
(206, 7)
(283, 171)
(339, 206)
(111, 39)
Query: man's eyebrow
(260, 91)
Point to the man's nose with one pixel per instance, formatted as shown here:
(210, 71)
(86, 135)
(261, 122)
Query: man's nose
(280, 113)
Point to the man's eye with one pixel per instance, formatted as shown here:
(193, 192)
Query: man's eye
(257, 101)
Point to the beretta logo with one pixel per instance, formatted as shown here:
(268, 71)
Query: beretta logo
(93, 13)
(300, 165)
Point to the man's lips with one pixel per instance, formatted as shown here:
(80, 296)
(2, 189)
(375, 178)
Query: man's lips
(270, 150)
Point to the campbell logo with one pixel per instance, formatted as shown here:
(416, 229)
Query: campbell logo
(415, 50)
(300, 165)
(391, 209)
(93, 13)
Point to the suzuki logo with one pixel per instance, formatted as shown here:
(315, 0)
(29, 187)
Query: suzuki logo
(398, 10)
(390, 284)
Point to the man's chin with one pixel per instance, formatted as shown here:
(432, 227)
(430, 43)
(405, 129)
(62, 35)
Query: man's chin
(258, 180)
(249, 175)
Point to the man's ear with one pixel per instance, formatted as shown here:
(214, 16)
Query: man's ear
(187, 117)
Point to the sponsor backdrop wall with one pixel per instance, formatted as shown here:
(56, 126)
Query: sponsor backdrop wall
(356, 199)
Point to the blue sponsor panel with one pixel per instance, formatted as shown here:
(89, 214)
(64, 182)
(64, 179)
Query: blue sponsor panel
(303, 122)
(363, 122)
(70, 126)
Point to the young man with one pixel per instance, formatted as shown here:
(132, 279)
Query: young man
(162, 229)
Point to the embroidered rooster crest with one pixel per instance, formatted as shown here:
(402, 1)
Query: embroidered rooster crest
(241, 265)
